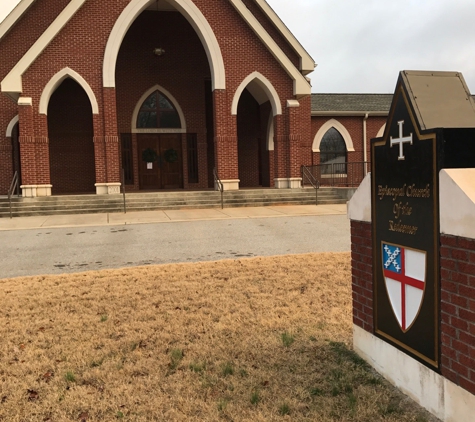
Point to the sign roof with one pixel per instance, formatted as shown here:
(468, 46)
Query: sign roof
(440, 99)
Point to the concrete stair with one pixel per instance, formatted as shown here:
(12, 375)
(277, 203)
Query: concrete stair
(149, 201)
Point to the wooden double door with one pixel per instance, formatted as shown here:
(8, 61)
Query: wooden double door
(166, 171)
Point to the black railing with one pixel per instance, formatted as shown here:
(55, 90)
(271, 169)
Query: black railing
(14, 185)
(218, 186)
(123, 189)
(339, 174)
(308, 177)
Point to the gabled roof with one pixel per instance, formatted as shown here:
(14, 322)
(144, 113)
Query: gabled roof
(307, 64)
(12, 84)
(351, 104)
(301, 83)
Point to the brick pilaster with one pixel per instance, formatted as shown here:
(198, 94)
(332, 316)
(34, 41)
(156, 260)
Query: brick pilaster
(458, 310)
(362, 274)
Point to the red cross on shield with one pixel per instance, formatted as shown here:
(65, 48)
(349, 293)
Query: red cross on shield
(405, 277)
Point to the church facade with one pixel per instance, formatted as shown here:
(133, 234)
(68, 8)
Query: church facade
(158, 94)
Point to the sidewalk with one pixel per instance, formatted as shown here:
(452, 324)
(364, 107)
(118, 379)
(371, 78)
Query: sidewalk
(142, 217)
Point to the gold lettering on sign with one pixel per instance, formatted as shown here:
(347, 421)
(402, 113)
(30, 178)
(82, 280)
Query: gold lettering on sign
(409, 191)
(402, 228)
(400, 209)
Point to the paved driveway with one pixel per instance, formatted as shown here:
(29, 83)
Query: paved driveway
(62, 250)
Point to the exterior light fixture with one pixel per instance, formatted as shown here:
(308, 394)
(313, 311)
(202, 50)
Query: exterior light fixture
(159, 51)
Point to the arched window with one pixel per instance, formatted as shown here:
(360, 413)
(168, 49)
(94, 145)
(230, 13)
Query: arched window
(333, 154)
(158, 112)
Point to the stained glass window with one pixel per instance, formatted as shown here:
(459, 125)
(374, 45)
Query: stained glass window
(157, 112)
(333, 152)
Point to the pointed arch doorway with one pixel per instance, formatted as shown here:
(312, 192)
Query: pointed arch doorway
(71, 146)
(160, 149)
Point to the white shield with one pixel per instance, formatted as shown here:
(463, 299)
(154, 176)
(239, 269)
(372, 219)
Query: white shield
(404, 272)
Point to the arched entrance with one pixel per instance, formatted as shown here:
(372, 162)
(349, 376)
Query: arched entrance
(255, 103)
(163, 50)
(253, 154)
(71, 147)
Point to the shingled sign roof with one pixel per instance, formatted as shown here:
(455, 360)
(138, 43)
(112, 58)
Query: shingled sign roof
(351, 103)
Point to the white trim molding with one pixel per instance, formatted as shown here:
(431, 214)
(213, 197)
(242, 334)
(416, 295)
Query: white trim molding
(293, 104)
(457, 202)
(12, 83)
(359, 206)
(302, 86)
(25, 101)
(14, 16)
(173, 100)
(381, 131)
(270, 133)
(340, 128)
(231, 184)
(307, 64)
(107, 188)
(57, 80)
(32, 191)
(11, 125)
(261, 89)
(192, 14)
(288, 183)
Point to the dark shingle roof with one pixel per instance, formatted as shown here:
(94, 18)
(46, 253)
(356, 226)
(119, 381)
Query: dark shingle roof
(351, 103)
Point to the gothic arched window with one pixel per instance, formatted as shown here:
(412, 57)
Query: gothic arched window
(157, 112)
(333, 153)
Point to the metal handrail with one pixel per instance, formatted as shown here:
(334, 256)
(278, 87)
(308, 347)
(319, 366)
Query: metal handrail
(219, 185)
(14, 185)
(312, 179)
(123, 190)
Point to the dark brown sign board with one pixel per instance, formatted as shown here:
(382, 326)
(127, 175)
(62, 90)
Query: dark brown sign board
(427, 109)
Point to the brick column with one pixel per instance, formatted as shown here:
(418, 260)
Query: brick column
(305, 130)
(281, 152)
(293, 116)
(106, 147)
(362, 274)
(6, 164)
(225, 141)
(34, 153)
(458, 310)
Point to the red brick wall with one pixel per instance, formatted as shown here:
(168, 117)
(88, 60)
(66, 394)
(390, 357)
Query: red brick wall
(458, 310)
(362, 274)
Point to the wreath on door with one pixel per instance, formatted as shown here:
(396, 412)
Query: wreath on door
(170, 155)
(149, 155)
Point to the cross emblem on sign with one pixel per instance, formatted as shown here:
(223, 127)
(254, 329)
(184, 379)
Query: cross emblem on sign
(401, 141)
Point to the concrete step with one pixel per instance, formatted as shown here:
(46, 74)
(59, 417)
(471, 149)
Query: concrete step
(80, 204)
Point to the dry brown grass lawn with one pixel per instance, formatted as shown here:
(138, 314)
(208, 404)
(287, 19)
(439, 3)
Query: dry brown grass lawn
(262, 339)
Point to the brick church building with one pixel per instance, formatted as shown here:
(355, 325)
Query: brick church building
(157, 94)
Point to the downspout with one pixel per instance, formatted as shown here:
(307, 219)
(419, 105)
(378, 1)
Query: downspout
(365, 142)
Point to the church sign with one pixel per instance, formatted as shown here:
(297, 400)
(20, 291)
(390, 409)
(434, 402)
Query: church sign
(405, 166)
(431, 126)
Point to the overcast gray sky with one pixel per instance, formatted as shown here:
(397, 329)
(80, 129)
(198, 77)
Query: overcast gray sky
(360, 46)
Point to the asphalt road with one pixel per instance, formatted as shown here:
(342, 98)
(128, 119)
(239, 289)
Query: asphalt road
(66, 250)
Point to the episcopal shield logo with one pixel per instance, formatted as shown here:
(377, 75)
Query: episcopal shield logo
(405, 276)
